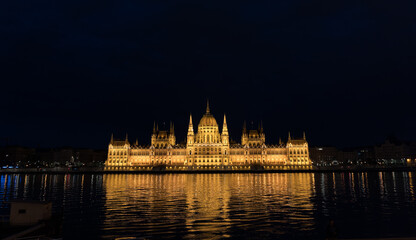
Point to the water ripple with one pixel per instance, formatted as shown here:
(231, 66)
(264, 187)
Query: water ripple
(219, 206)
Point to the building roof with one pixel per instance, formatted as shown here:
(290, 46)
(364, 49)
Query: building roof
(297, 141)
(208, 120)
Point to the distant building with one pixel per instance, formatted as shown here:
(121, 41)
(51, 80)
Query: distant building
(90, 157)
(13, 155)
(207, 148)
(324, 156)
(396, 152)
(392, 151)
(53, 156)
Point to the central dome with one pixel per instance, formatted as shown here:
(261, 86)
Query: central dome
(208, 129)
(208, 121)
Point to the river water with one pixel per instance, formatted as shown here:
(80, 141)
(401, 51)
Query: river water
(219, 206)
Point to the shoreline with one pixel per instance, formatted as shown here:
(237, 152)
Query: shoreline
(216, 171)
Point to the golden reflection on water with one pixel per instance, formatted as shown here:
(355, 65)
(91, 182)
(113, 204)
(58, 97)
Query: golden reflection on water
(208, 204)
(411, 187)
(214, 206)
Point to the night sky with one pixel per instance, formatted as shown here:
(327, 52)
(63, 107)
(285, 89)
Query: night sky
(73, 72)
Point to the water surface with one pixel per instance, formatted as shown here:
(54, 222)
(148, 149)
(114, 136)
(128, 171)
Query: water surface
(219, 206)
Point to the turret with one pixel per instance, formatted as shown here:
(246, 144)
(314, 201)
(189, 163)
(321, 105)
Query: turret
(190, 139)
(126, 142)
(224, 134)
(261, 133)
(261, 127)
(244, 136)
(112, 139)
(172, 138)
(154, 133)
(224, 126)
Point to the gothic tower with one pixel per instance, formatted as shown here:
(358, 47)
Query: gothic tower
(154, 134)
(244, 136)
(190, 137)
(172, 138)
(224, 134)
(261, 133)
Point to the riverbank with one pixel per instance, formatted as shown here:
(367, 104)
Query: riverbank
(158, 170)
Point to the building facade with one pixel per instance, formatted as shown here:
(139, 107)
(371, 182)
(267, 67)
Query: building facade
(208, 148)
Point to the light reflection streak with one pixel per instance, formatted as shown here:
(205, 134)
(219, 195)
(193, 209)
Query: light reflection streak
(411, 186)
(334, 189)
(382, 186)
(351, 184)
(217, 206)
(208, 204)
(26, 185)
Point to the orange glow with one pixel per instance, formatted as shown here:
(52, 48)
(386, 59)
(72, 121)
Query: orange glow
(207, 149)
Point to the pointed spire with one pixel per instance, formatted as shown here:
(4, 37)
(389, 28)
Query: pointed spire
(157, 127)
(112, 139)
(126, 138)
(261, 126)
(191, 127)
(280, 141)
(207, 106)
(171, 128)
(244, 127)
(224, 126)
(304, 135)
(137, 142)
(154, 127)
(289, 137)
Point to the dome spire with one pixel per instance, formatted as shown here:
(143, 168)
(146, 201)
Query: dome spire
(207, 107)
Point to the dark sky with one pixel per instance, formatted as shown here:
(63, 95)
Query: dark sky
(73, 72)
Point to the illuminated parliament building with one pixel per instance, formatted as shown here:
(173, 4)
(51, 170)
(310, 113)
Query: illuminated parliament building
(207, 149)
